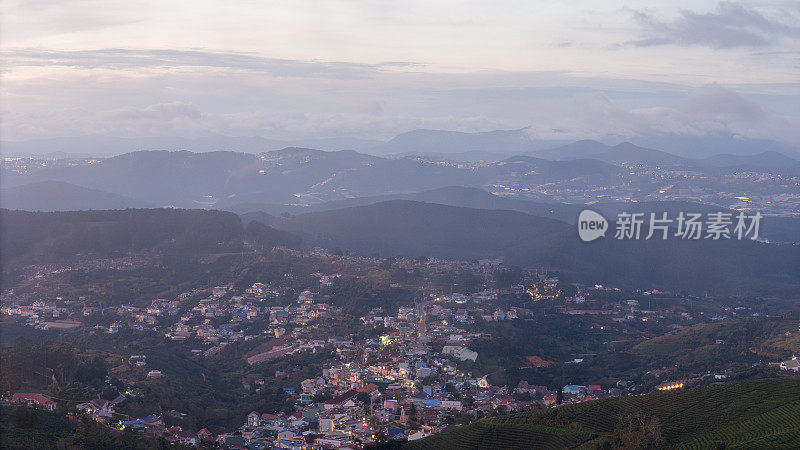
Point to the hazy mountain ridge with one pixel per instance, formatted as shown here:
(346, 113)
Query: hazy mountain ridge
(500, 142)
(769, 160)
(42, 237)
(497, 144)
(106, 146)
(46, 237)
(309, 176)
(542, 170)
(285, 176)
(450, 195)
(62, 196)
(627, 152)
(416, 228)
(775, 229)
(411, 229)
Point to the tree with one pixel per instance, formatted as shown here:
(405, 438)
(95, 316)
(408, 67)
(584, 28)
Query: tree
(560, 395)
(506, 277)
(364, 398)
(523, 396)
(636, 431)
(23, 417)
(380, 433)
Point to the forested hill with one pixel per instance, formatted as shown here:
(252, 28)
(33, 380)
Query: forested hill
(61, 196)
(40, 237)
(753, 414)
(408, 228)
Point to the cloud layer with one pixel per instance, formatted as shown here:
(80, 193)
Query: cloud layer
(129, 59)
(373, 103)
(346, 68)
(730, 25)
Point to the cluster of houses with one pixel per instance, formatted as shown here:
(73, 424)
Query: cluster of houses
(43, 315)
(34, 400)
(100, 409)
(238, 309)
(411, 380)
(392, 387)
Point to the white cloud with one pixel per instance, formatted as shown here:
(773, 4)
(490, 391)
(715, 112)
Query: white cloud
(373, 113)
(730, 25)
(707, 111)
(139, 59)
(716, 101)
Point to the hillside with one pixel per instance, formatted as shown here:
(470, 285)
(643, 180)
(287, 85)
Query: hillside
(409, 228)
(578, 149)
(160, 177)
(725, 343)
(775, 229)
(769, 161)
(467, 197)
(537, 170)
(412, 229)
(54, 236)
(94, 145)
(61, 196)
(285, 176)
(266, 237)
(628, 153)
(442, 142)
(302, 177)
(753, 414)
(624, 152)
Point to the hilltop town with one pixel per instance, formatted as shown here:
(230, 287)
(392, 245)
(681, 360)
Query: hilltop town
(345, 350)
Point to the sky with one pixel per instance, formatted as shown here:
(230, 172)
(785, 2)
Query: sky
(371, 69)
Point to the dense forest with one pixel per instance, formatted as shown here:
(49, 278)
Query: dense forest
(50, 237)
(408, 228)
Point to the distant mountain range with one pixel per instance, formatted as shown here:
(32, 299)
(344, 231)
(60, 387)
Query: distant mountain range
(620, 153)
(295, 175)
(627, 153)
(291, 177)
(694, 146)
(489, 146)
(106, 146)
(770, 160)
(494, 144)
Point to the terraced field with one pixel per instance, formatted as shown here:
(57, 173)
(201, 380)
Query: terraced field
(753, 414)
(488, 435)
(779, 427)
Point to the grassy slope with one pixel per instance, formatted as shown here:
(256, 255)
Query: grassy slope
(746, 340)
(753, 414)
